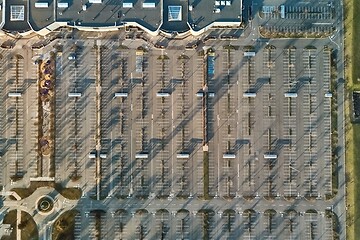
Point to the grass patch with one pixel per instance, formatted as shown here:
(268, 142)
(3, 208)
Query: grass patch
(353, 182)
(230, 47)
(98, 214)
(335, 223)
(206, 219)
(352, 25)
(163, 57)
(182, 56)
(334, 124)
(28, 227)
(70, 193)
(206, 175)
(23, 192)
(282, 34)
(64, 226)
(10, 218)
(352, 58)
(123, 47)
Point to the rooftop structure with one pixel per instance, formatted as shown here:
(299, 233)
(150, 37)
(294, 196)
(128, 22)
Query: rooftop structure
(174, 13)
(205, 14)
(17, 13)
(15, 16)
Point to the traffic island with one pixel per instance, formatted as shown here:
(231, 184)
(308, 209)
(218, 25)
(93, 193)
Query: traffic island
(45, 205)
(10, 219)
(46, 90)
(69, 193)
(64, 226)
(28, 227)
(267, 33)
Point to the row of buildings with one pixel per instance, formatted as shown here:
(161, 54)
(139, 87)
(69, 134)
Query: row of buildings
(170, 17)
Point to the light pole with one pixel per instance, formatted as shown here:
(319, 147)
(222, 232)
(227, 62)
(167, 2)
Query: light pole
(292, 168)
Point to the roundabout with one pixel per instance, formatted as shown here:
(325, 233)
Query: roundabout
(45, 205)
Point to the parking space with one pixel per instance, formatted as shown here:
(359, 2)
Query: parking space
(324, 146)
(140, 125)
(14, 125)
(266, 115)
(120, 153)
(60, 117)
(72, 134)
(121, 219)
(299, 17)
(71, 83)
(249, 103)
(290, 224)
(74, 142)
(182, 120)
(291, 166)
(308, 12)
(30, 93)
(116, 116)
(205, 221)
(259, 109)
(248, 170)
(249, 223)
(161, 225)
(4, 177)
(269, 63)
(139, 225)
(224, 224)
(270, 100)
(77, 227)
(97, 224)
(309, 59)
(326, 69)
(296, 29)
(92, 233)
(311, 225)
(163, 98)
(183, 225)
(212, 70)
(270, 220)
(75, 113)
(289, 66)
(88, 117)
(108, 226)
(226, 121)
(108, 115)
(324, 140)
(198, 126)
(163, 109)
(248, 74)
(328, 232)
(310, 104)
(290, 118)
(227, 225)
(105, 225)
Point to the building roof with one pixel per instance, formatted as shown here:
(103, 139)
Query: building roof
(174, 13)
(147, 17)
(110, 13)
(205, 12)
(17, 13)
(12, 13)
(41, 17)
(175, 16)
